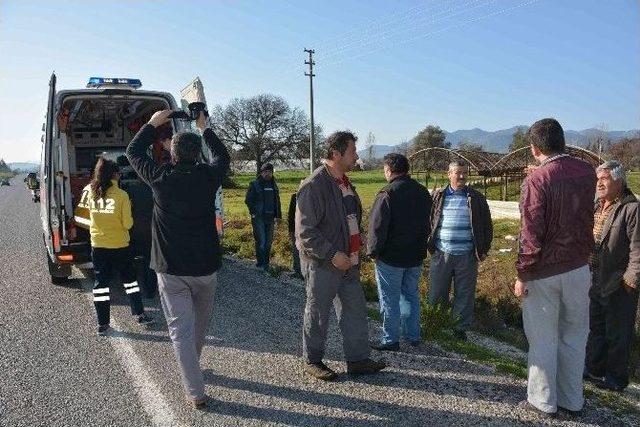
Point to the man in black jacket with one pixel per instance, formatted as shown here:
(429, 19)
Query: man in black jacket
(141, 211)
(291, 226)
(263, 201)
(185, 249)
(398, 233)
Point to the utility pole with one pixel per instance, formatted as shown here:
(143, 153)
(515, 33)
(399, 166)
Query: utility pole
(310, 63)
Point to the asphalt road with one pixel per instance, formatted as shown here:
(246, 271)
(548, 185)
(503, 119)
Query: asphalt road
(55, 371)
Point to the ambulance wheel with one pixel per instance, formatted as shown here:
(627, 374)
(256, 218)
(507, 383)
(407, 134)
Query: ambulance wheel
(59, 272)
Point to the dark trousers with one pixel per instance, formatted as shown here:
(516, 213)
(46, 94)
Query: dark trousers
(463, 271)
(263, 235)
(147, 278)
(106, 264)
(611, 323)
(326, 287)
(295, 255)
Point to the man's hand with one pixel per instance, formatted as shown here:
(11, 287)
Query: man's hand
(520, 289)
(201, 121)
(159, 118)
(341, 261)
(629, 289)
(482, 257)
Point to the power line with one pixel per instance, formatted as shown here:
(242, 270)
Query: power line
(418, 25)
(415, 22)
(431, 33)
(367, 28)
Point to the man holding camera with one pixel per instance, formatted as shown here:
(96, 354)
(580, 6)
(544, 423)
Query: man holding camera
(185, 250)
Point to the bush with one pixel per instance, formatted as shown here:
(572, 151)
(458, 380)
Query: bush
(437, 321)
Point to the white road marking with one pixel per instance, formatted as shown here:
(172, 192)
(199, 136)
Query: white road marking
(149, 393)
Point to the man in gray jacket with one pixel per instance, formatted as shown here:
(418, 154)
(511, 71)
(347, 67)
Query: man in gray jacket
(615, 269)
(327, 227)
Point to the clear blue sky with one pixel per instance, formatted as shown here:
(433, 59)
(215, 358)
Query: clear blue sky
(387, 67)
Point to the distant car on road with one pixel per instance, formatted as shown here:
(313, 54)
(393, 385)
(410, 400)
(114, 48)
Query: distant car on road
(5, 182)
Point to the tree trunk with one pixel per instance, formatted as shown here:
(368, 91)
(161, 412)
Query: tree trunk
(258, 165)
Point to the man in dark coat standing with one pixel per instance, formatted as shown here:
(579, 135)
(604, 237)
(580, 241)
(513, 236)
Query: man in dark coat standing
(399, 231)
(615, 270)
(263, 201)
(141, 211)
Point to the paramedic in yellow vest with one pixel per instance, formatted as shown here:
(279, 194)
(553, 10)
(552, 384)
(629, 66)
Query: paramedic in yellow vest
(110, 219)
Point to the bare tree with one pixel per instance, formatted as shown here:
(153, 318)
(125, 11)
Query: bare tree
(599, 141)
(369, 150)
(263, 128)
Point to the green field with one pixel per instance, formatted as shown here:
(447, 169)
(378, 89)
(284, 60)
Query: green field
(367, 183)
(633, 179)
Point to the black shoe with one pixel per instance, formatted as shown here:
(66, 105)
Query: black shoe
(103, 330)
(199, 404)
(459, 334)
(529, 407)
(594, 379)
(366, 366)
(145, 319)
(610, 385)
(320, 371)
(385, 347)
(570, 412)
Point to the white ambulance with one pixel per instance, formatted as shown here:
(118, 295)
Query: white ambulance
(82, 124)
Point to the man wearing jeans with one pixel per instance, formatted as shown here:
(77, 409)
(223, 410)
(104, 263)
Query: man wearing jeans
(263, 201)
(398, 232)
(462, 235)
(556, 240)
(185, 248)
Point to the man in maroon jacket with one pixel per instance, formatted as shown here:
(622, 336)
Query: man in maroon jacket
(556, 239)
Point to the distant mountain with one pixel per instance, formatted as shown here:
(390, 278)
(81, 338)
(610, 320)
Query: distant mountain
(24, 166)
(498, 141)
(379, 151)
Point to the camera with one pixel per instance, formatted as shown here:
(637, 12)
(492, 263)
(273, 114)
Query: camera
(181, 115)
(194, 112)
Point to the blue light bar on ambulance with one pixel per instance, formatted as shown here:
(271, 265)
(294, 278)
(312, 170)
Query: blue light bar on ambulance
(95, 82)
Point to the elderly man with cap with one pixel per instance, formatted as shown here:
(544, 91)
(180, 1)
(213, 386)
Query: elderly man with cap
(615, 269)
(263, 201)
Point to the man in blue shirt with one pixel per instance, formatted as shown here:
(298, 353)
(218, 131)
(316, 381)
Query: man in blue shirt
(462, 235)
